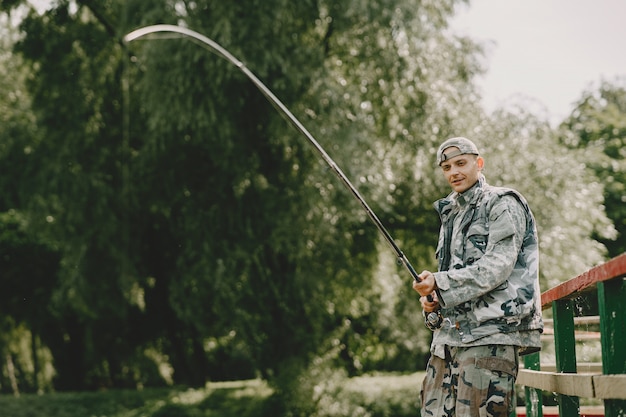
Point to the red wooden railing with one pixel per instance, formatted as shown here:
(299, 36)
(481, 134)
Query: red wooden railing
(608, 281)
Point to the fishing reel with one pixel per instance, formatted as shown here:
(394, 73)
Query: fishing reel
(433, 320)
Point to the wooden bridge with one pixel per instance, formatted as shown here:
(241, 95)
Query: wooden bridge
(601, 384)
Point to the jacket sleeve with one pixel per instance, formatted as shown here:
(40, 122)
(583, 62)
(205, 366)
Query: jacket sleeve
(507, 226)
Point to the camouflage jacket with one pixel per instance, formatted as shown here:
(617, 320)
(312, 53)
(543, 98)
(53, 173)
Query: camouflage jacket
(488, 285)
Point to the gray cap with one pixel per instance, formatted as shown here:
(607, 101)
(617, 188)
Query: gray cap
(465, 146)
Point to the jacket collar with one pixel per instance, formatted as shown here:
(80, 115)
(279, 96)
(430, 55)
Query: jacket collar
(454, 199)
(471, 195)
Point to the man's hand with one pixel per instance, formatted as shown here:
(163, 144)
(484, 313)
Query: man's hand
(427, 284)
(431, 303)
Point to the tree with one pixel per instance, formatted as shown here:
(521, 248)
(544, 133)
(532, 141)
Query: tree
(67, 191)
(357, 77)
(29, 266)
(523, 152)
(196, 228)
(29, 270)
(597, 127)
(124, 200)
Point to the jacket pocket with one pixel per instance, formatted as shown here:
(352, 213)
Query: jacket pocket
(476, 243)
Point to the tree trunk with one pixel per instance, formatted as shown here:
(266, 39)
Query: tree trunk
(11, 372)
(33, 344)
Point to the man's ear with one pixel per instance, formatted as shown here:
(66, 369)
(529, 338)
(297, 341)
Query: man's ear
(481, 162)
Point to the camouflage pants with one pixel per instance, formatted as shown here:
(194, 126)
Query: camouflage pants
(471, 382)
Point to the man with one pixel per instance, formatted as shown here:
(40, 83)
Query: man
(484, 303)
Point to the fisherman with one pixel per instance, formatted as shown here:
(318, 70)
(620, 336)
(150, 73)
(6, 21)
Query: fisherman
(486, 291)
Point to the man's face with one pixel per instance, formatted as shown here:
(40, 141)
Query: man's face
(461, 171)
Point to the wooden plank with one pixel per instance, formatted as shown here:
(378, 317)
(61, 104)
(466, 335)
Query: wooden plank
(578, 385)
(578, 321)
(548, 335)
(581, 367)
(585, 411)
(610, 386)
(614, 268)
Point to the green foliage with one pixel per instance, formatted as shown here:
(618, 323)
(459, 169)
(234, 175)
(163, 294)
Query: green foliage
(29, 269)
(597, 126)
(296, 286)
(18, 128)
(381, 396)
(523, 152)
(22, 256)
(325, 391)
(201, 238)
(167, 217)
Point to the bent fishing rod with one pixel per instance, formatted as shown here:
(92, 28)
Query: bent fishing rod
(222, 52)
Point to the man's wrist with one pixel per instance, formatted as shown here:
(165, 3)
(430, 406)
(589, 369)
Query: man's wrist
(442, 281)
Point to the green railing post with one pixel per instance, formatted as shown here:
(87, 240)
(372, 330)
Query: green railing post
(613, 336)
(565, 346)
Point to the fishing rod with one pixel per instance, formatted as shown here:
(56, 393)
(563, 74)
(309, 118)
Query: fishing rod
(222, 52)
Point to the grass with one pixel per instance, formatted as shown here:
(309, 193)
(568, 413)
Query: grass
(224, 399)
(377, 395)
(113, 403)
(381, 395)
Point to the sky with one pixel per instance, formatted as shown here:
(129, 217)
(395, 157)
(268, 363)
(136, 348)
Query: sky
(548, 50)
